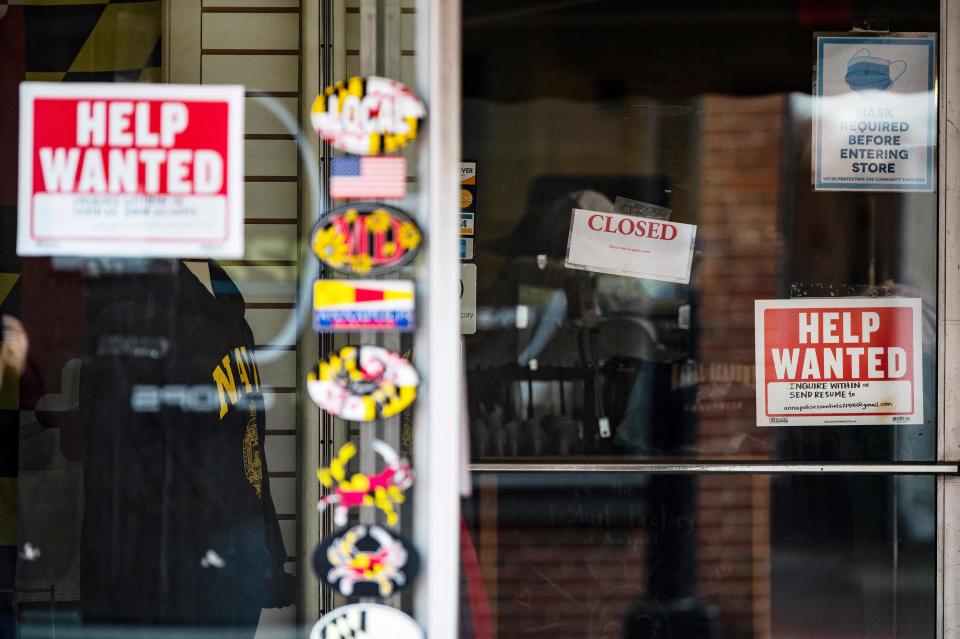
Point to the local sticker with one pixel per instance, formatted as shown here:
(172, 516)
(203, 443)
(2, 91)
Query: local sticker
(367, 621)
(366, 561)
(363, 383)
(366, 238)
(367, 116)
(363, 305)
(383, 490)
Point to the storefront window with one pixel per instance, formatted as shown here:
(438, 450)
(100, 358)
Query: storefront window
(617, 372)
(699, 389)
(189, 446)
(574, 107)
(615, 556)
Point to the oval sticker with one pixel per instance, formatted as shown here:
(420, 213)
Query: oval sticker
(367, 116)
(366, 620)
(366, 238)
(366, 561)
(363, 383)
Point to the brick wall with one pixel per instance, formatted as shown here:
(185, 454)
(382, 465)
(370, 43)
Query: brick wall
(739, 221)
(569, 582)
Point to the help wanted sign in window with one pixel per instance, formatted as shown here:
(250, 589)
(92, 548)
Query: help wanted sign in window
(839, 361)
(130, 170)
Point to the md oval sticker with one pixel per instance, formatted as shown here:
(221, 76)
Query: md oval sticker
(366, 561)
(367, 116)
(363, 383)
(370, 621)
(366, 238)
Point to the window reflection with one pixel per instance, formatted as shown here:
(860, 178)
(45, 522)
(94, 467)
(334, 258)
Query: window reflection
(703, 556)
(639, 368)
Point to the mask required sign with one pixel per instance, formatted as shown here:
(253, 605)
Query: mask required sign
(130, 170)
(875, 118)
(839, 361)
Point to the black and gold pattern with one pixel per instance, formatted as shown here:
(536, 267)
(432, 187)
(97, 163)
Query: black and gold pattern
(93, 40)
(73, 41)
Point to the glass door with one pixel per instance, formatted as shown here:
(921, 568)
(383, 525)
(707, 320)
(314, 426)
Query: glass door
(634, 475)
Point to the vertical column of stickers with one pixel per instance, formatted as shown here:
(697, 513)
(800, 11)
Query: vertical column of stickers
(368, 120)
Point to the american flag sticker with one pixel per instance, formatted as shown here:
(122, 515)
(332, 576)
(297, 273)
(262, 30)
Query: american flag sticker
(353, 177)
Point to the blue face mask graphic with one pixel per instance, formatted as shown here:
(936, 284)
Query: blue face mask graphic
(866, 73)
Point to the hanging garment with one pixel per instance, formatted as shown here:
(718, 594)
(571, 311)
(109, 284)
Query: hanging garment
(179, 526)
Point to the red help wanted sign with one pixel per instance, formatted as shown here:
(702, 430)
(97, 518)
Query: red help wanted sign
(130, 170)
(839, 361)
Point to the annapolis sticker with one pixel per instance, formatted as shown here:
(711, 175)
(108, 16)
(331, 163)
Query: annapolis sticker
(366, 561)
(366, 621)
(839, 361)
(363, 383)
(367, 116)
(366, 238)
(363, 305)
(383, 490)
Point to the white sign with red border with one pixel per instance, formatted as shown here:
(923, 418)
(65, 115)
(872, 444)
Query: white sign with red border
(839, 361)
(630, 245)
(130, 170)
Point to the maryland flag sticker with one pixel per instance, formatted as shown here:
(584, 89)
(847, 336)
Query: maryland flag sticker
(363, 383)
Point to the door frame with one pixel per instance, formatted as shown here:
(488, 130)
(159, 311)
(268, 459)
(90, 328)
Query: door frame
(439, 457)
(948, 324)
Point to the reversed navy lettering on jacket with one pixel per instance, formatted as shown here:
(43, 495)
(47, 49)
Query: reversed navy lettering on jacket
(236, 376)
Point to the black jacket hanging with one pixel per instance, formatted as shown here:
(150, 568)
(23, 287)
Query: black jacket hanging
(179, 526)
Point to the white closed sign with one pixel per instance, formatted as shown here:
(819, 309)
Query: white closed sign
(631, 246)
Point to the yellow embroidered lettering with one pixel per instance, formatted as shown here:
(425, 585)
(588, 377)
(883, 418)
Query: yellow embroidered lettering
(256, 371)
(242, 369)
(226, 387)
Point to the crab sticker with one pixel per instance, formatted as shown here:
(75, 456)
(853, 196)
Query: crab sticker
(366, 561)
(366, 621)
(366, 238)
(383, 490)
(367, 116)
(363, 383)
